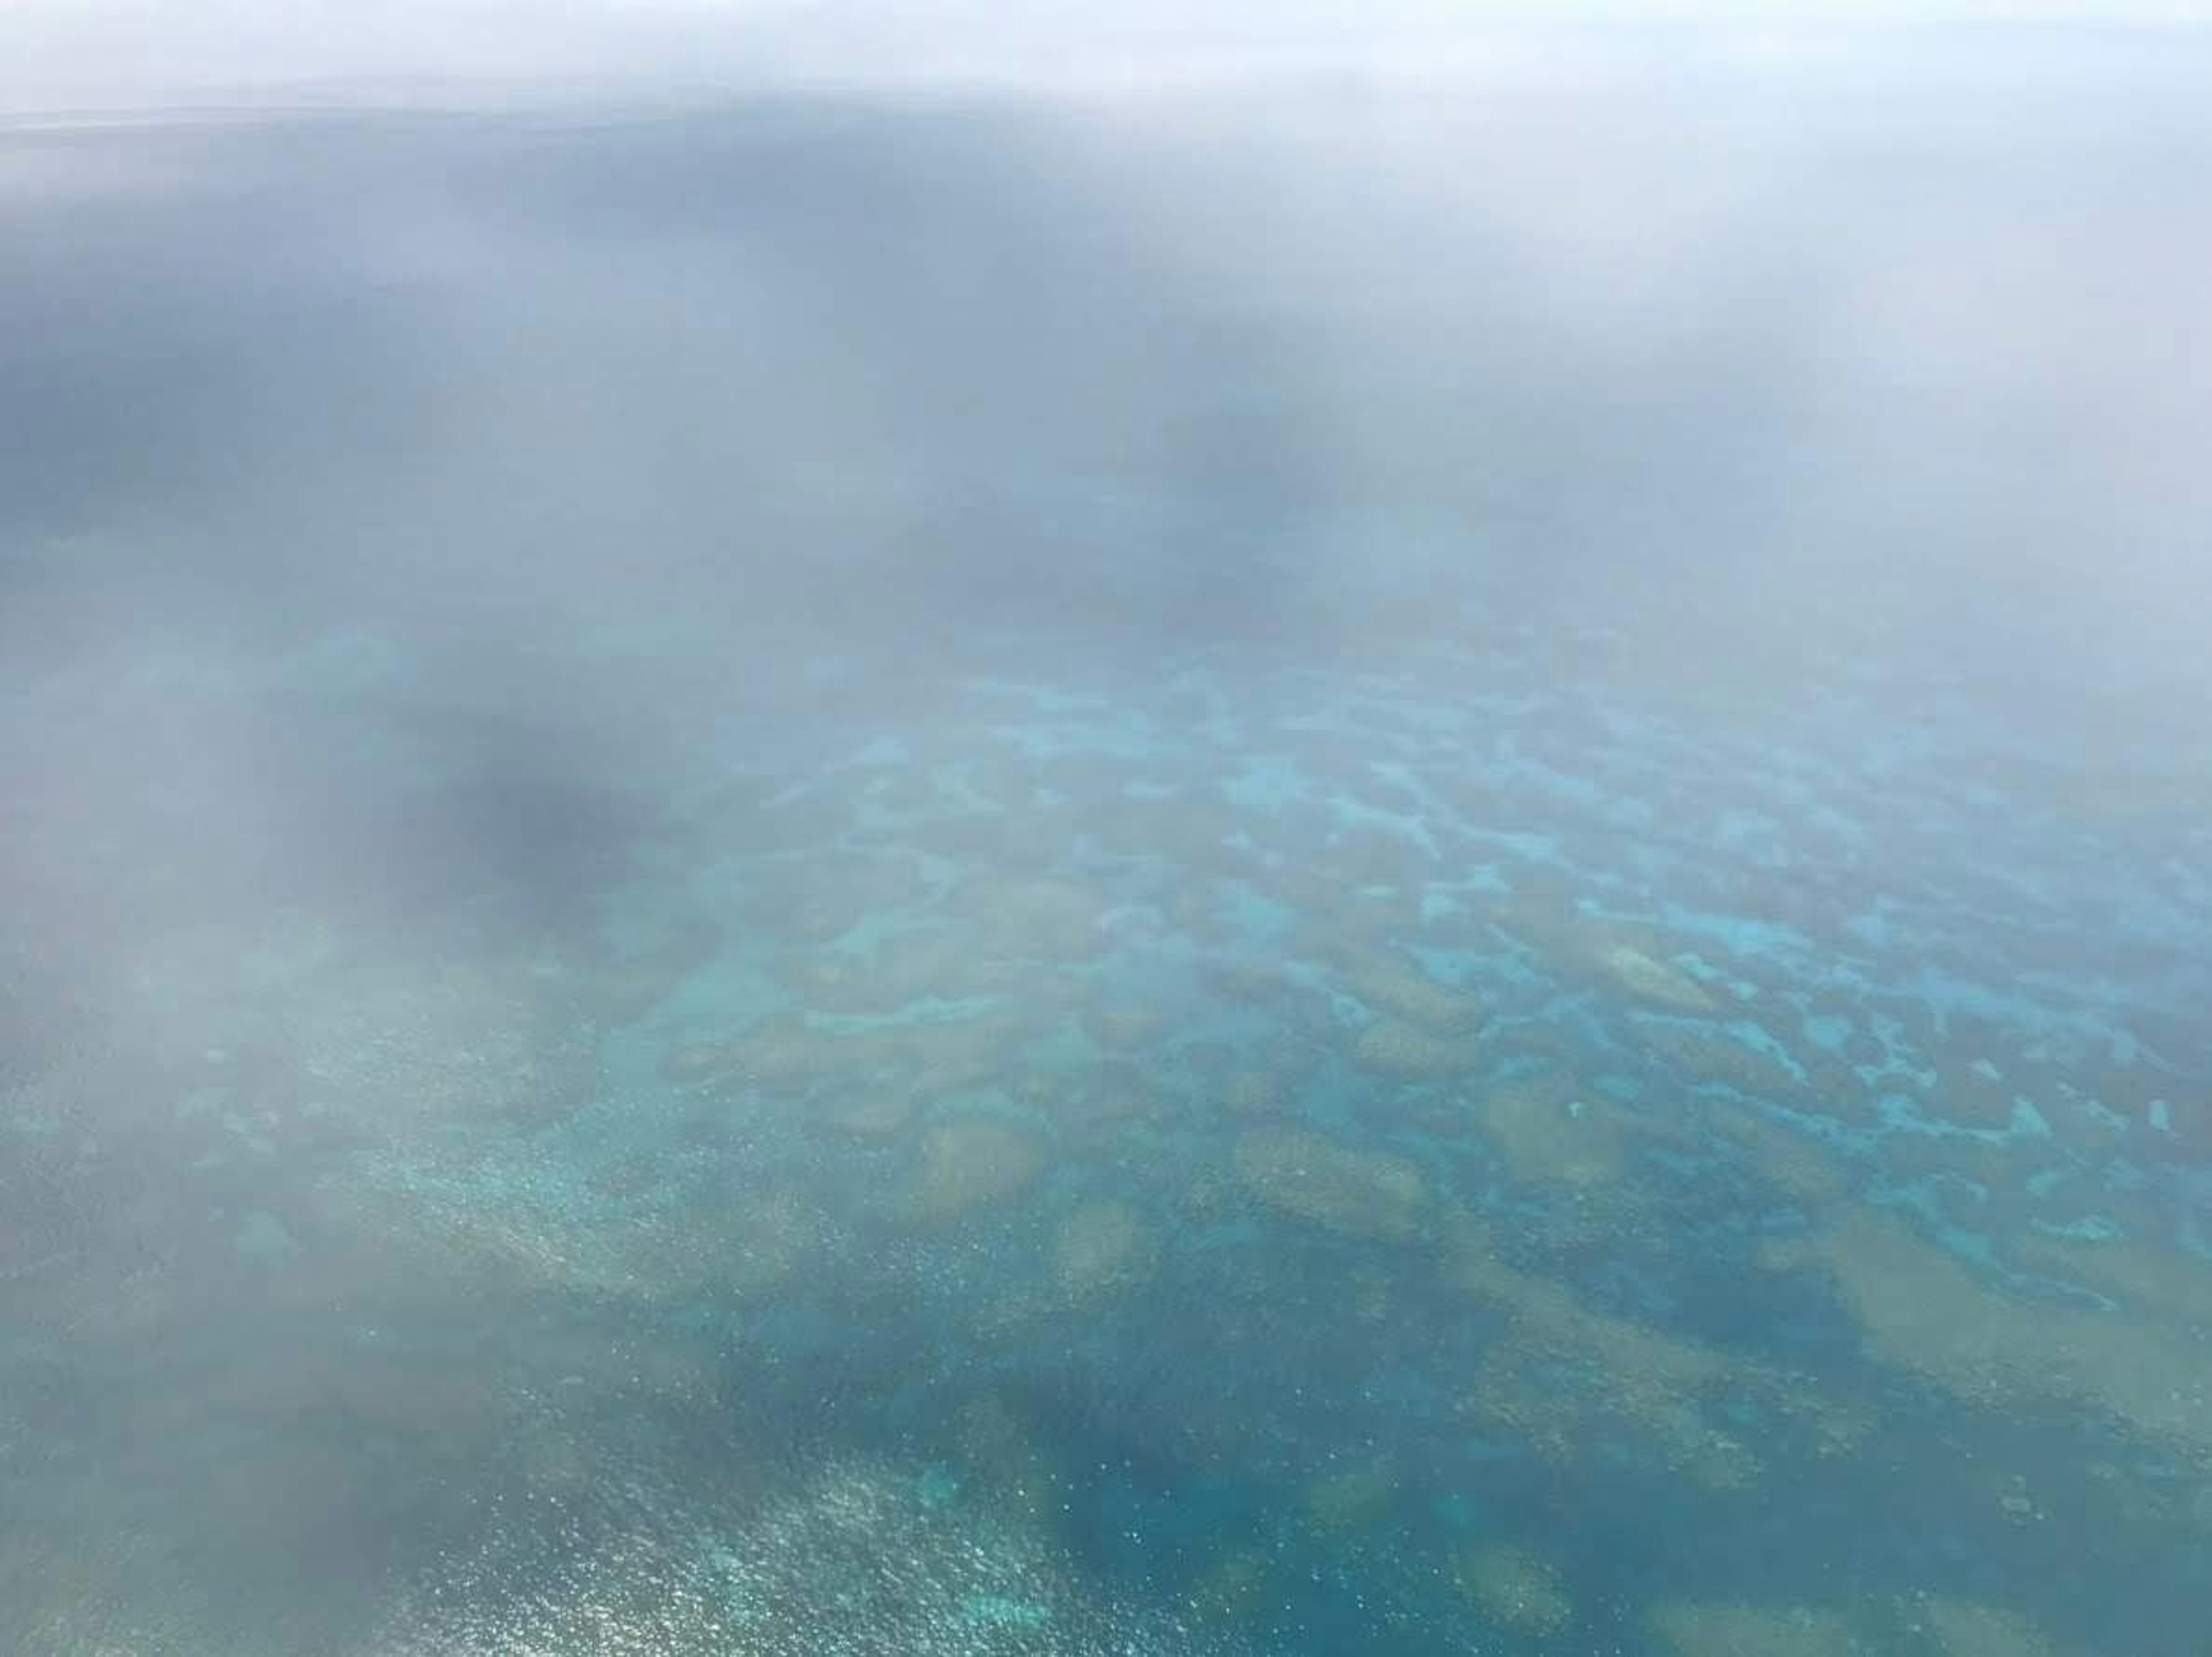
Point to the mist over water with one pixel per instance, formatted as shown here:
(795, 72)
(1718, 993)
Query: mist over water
(1311, 866)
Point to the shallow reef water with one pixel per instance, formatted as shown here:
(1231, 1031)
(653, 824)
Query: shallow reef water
(1456, 1120)
(952, 1237)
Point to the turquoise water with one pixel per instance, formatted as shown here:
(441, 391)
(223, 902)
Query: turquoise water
(1169, 1042)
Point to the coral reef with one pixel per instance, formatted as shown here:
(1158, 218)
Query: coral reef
(1120, 1027)
(1350, 1498)
(1791, 1159)
(1255, 1092)
(1700, 1053)
(848, 1561)
(925, 963)
(1923, 1310)
(1966, 1629)
(1548, 1129)
(1515, 1589)
(515, 1218)
(1649, 978)
(1102, 1248)
(1560, 1366)
(835, 981)
(388, 1042)
(869, 1110)
(743, 1249)
(1364, 1194)
(1699, 1630)
(1230, 1589)
(2141, 1276)
(1973, 1094)
(952, 1055)
(1393, 987)
(791, 1050)
(620, 987)
(1013, 918)
(1006, 1464)
(822, 895)
(971, 1163)
(1110, 1096)
(1262, 1146)
(1394, 1048)
(784, 1049)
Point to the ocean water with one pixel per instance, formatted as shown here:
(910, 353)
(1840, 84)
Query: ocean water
(1332, 870)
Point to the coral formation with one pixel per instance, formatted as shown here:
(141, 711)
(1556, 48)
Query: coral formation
(1794, 1161)
(1923, 1310)
(823, 894)
(1393, 987)
(388, 1043)
(2141, 1276)
(1655, 980)
(1229, 1590)
(1392, 1048)
(1013, 918)
(1007, 1462)
(970, 1162)
(1350, 1498)
(949, 1056)
(1102, 1248)
(1701, 1629)
(1560, 1366)
(1701, 1054)
(1364, 1194)
(784, 1049)
(1965, 1628)
(744, 1247)
(1251, 1092)
(1549, 1129)
(1111, 1095)
(869, 1110)
(1098, 1108)
(1120, 1027)
(1974, 1095)
(848, 1561)
(928, 1059)
(1515, 1589)
(933, 962)
(516, 1219)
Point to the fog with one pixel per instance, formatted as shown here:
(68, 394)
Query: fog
(1899, 338)
(494, 531)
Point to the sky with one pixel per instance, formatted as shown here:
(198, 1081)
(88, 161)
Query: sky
(64, 54)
